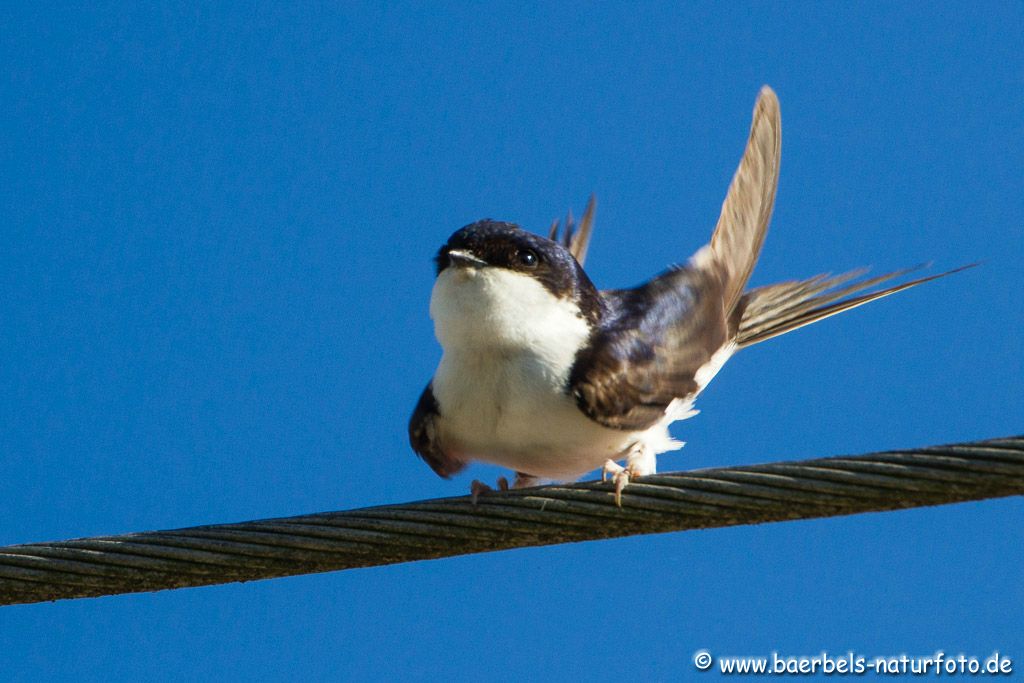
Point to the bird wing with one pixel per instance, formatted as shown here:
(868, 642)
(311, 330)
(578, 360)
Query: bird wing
(662, 335)
(650, 348)
(576, 240)
(423, 436)
(743, 223)
(657, 342)
(786, 306)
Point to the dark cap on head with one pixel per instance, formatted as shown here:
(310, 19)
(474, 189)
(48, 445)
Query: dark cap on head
(488, 243)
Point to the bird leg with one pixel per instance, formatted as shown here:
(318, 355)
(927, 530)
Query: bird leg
(522, 481)
(640, 462)
(619, 475)
(478, 487)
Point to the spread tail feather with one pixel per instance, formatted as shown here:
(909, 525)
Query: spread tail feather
(780, 308)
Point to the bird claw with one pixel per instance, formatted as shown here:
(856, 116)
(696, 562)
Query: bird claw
(620, 477)
(478, 487)
(610, 467)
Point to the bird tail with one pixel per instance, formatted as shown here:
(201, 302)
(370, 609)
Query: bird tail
(780, 308)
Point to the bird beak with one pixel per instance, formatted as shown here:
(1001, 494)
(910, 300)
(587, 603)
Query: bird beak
(464, 259)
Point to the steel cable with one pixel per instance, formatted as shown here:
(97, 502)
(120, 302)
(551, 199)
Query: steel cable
(546, 515)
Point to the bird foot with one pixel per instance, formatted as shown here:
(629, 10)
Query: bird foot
(478, 487)
(620, 477)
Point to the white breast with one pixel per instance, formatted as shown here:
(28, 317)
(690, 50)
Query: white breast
(498, 308)
(509, 345)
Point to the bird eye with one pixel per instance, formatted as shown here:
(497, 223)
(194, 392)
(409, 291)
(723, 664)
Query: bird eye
(527, 257)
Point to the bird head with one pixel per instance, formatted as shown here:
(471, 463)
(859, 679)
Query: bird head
(499, 282)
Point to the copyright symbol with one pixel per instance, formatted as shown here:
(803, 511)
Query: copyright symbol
(702, 660)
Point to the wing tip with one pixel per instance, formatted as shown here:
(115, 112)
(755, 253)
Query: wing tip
(575, 238)
(767, 96)
(834, 301)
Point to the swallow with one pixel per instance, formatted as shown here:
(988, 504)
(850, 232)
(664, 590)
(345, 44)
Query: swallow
(546, 375)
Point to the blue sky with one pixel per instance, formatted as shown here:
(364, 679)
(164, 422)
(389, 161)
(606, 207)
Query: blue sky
(217, 224)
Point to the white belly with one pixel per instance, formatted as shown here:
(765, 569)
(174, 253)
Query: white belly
(512, 412)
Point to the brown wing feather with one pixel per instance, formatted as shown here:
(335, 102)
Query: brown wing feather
(656, 337)
(747, 209)
(576, 240)
(784, 307)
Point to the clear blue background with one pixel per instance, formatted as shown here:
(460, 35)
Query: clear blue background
(216, 225)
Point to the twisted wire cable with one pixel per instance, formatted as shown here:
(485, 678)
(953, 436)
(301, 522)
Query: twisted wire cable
(546, 515)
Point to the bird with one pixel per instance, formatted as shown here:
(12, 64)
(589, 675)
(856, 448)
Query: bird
(546, 375)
